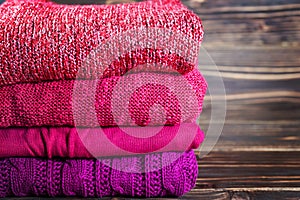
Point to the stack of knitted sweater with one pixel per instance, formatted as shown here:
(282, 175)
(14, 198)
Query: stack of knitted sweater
(89, 108)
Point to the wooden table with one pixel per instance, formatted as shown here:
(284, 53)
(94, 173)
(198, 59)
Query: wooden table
(256, 46)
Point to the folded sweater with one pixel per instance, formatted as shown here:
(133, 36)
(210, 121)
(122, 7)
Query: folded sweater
(41, 40)
(96, 142)
(134, 99)
(151, 175)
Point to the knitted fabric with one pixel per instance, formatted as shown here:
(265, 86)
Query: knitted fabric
(92, 178)
(43, 47)
(50, 103)
(42, 40)
(67, 143)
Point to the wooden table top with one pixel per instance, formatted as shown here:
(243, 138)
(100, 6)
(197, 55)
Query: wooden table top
(256, 46)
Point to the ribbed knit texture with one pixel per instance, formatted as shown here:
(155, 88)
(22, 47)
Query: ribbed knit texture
(67, 142)
(91, 178)
(50, 103)
(45, 41)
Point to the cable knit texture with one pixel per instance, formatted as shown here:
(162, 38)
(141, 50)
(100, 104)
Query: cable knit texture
(92, 178)
(41, 40)
(52, 103)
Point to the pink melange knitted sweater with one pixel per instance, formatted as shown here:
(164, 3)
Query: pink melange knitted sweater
(41, 40)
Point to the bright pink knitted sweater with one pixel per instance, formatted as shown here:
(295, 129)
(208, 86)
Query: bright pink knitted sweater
(50, 103)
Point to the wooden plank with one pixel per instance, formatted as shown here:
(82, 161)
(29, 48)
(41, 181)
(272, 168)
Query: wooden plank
(250, 170)
(257, 138)
(257, 111)
(251, 88)
(269, 25)
(245, 56)
(245, 194)
(286, 38)
(234, 3)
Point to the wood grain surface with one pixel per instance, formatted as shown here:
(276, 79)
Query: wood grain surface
(256, 46)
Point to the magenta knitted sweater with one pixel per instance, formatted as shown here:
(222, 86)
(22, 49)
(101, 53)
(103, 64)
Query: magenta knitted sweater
(107, 177)
(68, 142)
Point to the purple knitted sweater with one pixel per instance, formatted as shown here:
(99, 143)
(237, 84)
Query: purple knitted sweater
(92, 178)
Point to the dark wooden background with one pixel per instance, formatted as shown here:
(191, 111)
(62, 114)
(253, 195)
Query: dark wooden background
(256, 46)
